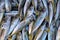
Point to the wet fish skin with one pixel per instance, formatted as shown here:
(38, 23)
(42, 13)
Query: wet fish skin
(58, 34)
(42, 30)
(7, 5)
(21, 15)
(51, 33)
(6, 26)
(13, 25)
(14, 37)
(26, 36)
(45, 5)
(43, 37)
(50, 13)
(27, 4)
(57, 11)
(2, 7)
(39, 21)
(29, 19)
(20, 26)
(30, 11)
(23, 33)
(30, 27)
(14, 5)
(50, 0)
(20, 8)
(21, 4)
(19, 36)
(12, 13)
(40, 5)
(1, 16)
(35, 4)
(15, 1)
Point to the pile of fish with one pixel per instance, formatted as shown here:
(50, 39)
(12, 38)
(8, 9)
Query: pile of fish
(29, 19)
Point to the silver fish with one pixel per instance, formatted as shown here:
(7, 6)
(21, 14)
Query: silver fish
(58, 34)
(14, 37)
(23, 33)
(13, 25)
(0, 32)
(14, 4)
(43, 37)
(58, 9)
(51, 33)
(42, 30)
(6, 26)
(45, 5)
(21, 4)
(30, 11)
(15, 1)
(21, 15)
(7, 5)
(27, 4)
(1, 16)
(20, 26)
(56, 1)
(39, 21)
(2, 7)
(30, 27)
(26, 36)
(19, 36)
(12, 13)
(50, 13)
(35, 4)
(40, 5)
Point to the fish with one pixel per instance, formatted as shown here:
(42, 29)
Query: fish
(7, 5)
(20, 26)
(26, 6)
(15, 1)
(0, 32)
(34, 2)
(29, 19)
(13, 25)
(14, 5)
(19, 36)
(21, 15)
(41, 32)
(14, 37)
(2, 7)
(40, 5)
(6, 27)
(57, 10)
(12, 13)
(50, 13)
(21, 5)
(26, 35)
(39, 21)
(20, 8)
(50, 0)
(44, 35)
(52, 32)
(30, 11)
(45, 5)
(30, 27)
(23, 33)
(58, 34)
(1, 16)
